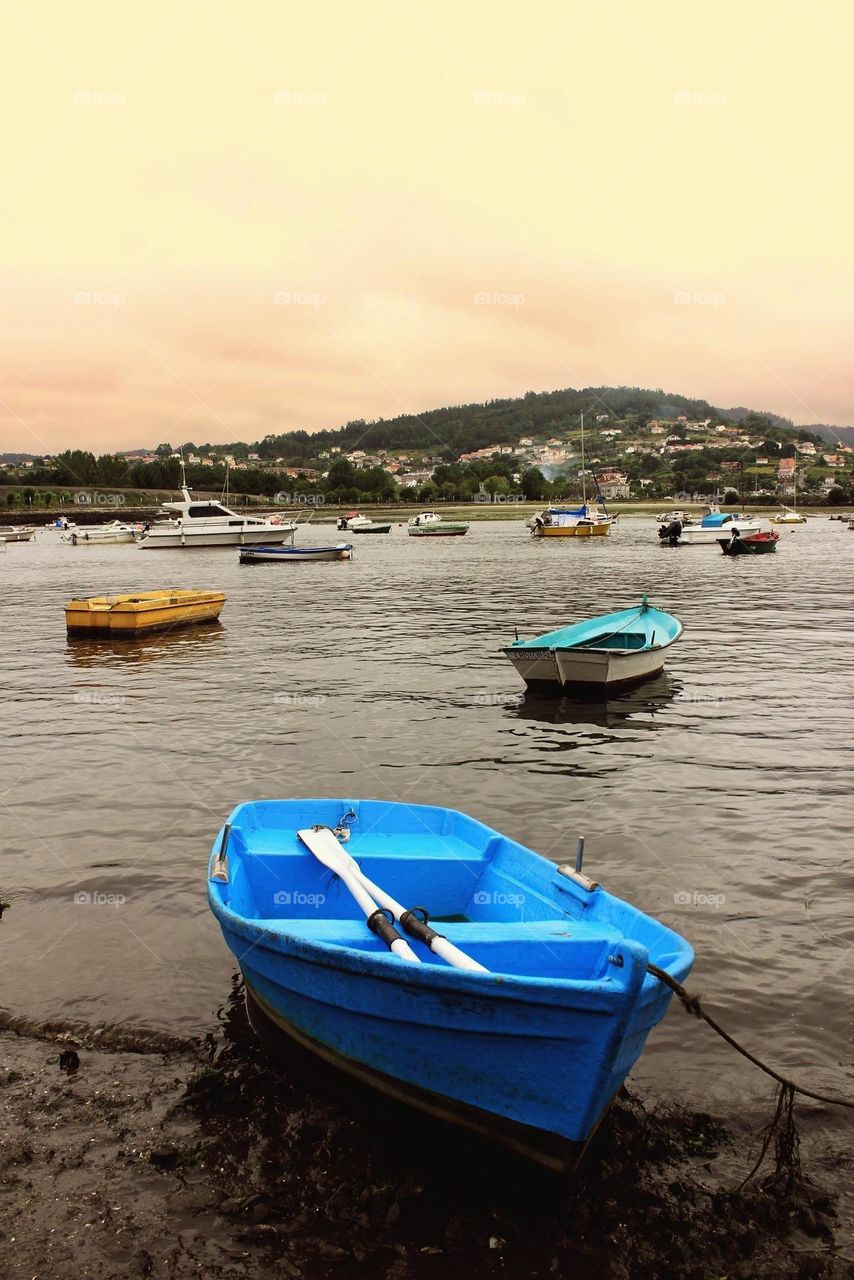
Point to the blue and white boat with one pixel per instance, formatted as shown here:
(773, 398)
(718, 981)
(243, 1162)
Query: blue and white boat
(605, 652)
(529, 1042)
(253, 555)
(716, 524)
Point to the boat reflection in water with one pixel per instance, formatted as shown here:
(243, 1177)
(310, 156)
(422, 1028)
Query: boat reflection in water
(637, 706)
(181, 645)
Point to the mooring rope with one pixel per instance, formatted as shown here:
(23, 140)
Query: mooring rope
(692, 1005)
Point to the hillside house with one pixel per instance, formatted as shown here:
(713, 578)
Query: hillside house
(614, 489)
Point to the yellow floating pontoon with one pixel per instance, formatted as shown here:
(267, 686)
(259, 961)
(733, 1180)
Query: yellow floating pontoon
(148, 611)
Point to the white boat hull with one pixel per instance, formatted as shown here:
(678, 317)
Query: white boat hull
(593, 668)
(96, 538)
(16, 533)
(696, 535)
(177, 536)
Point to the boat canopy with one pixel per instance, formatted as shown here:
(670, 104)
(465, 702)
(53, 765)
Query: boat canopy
(715, 519)
(567, 511)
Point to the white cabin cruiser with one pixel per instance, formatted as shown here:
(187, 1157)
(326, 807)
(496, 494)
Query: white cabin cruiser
(204, 523)
(714, 525)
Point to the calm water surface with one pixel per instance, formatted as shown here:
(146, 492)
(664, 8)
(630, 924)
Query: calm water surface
(717, 798)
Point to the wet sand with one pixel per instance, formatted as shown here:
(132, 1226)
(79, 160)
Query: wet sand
(160, 1159)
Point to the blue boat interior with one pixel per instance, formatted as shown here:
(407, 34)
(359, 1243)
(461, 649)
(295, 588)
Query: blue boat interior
(629, 629)
(509, 908)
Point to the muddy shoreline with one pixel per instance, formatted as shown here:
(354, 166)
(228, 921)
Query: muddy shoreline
(163, 1158)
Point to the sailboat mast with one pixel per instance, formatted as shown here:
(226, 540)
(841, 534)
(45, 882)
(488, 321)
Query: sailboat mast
(583, 464)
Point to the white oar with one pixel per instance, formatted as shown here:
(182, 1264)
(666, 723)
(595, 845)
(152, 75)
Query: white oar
(323, 844)
(413, 920)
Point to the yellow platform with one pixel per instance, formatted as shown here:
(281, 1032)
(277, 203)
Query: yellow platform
(147, 611)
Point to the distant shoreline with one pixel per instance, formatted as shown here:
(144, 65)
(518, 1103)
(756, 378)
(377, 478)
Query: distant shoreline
(327, 512)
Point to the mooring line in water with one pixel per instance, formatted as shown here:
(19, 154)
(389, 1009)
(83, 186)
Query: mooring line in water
(692, 1005)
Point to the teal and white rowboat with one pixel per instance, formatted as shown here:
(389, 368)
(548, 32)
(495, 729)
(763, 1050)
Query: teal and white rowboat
(603, 652)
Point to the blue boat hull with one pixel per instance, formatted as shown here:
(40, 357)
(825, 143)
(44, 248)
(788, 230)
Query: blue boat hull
(532, 1052)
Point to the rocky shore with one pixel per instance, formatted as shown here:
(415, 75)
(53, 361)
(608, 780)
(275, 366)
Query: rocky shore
(156, 1158)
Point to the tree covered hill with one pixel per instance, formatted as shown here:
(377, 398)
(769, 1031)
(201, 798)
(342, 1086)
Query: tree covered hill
(641, 441)
(460, 429)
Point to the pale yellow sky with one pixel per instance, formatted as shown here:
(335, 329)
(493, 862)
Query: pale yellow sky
(222, 220)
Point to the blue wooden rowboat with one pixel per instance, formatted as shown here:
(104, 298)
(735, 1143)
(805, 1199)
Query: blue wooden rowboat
(254, 555)
(606, 652)
(530, 1049)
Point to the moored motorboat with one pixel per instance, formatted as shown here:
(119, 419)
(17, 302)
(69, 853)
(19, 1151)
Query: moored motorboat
(788, 516)
(427, 524)
(355, 523)
(100, 535)
(667, 517)
(201, 523)
(130, 615)
(738, 544)
(708, 530)
(520, 1017)
(605, 652)
(17, 533)
(254, 555)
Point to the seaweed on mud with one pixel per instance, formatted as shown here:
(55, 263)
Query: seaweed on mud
(360, 1187)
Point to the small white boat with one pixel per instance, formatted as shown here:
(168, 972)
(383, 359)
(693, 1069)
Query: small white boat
(667, 517)
(254, 555)
(353, 522)
(788, 516)
(614, 649)
(100, 535)
(427, 524)
(16, 532)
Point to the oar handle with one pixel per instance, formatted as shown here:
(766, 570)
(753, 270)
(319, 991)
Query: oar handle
(381, 922)
(414, 921)
(219, 866)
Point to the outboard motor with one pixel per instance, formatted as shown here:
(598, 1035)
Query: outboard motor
(674, 533)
